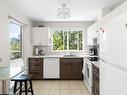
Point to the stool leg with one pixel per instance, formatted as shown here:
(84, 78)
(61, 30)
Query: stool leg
(15, 86)
(31, 87)
(26, 90)
(20, 92)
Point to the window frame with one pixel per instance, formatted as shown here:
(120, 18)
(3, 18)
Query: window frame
(53, 29)
(21, 43)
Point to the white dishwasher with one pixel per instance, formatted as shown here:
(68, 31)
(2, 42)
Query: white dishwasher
(51, 68)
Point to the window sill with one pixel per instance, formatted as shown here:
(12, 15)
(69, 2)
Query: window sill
(64, 51)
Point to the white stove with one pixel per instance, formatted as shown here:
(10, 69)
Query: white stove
(88, 75)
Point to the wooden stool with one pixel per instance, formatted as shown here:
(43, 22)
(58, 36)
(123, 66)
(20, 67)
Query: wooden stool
(22, 79)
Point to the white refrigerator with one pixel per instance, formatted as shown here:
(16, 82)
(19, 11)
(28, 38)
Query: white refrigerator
(113, 53)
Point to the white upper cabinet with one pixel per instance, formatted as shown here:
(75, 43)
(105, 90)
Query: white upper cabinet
(41, 36)
(93, 33)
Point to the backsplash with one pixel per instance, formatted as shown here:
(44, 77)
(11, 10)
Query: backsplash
(45, 49)
(48, 51)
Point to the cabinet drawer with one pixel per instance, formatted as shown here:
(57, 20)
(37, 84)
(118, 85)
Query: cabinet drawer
(35, 72)
(36, 64)
(35, 60)
(66, 60)
(35, 68)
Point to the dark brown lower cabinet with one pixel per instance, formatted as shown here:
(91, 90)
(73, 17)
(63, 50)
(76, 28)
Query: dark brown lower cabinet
(36, 68)
(65, 71)
(71, 68)
(95, 82)
(76, 70)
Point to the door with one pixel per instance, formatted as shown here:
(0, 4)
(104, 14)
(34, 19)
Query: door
(88, 73)
(36, 36)
(65, 70)
(77, 70)
(116, 40)
(113, 81)
(45, 36)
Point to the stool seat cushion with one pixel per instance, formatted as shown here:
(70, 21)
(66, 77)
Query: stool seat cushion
(22, 77)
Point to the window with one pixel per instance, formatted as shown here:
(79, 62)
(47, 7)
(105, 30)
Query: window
(15, 41)
(67, 39)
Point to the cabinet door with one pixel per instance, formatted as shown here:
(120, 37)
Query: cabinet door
(91, 35)
(95, 80)
(41, 36)
(93, 32)
(65, 70)
(35, 36)
(45, 36)
(36, 75)
(71, 68)
(77, 70)
(51, 67)
(95, 89)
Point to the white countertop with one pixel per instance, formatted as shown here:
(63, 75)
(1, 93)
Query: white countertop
(97, 63)
(62, 56)
(54, 56)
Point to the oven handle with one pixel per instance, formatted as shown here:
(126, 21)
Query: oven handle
(88, 63)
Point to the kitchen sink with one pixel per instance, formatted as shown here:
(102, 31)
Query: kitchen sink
(70, 56)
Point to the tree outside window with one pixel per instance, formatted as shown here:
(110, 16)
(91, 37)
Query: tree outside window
(15, 41)
(67, 40)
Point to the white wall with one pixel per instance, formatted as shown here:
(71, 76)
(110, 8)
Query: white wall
(85, 24)
(6, 10)
(116, 12)
(4, 36)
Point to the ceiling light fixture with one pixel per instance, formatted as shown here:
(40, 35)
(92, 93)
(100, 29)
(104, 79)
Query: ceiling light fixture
(63, 12)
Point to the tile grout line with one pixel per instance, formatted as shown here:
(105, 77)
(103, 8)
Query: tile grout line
(70, 87)
(49, 90)
(60, 89)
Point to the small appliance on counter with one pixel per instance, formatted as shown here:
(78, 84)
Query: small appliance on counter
(37, 51)
(41, 52)
(93, 53)
(93, 50)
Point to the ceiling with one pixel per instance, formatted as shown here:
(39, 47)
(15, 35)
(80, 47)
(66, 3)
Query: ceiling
(46, 10)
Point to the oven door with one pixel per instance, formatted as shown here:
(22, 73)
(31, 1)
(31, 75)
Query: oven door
(88, 73)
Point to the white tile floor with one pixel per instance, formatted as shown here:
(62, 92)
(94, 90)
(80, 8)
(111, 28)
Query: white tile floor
(58, 87)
